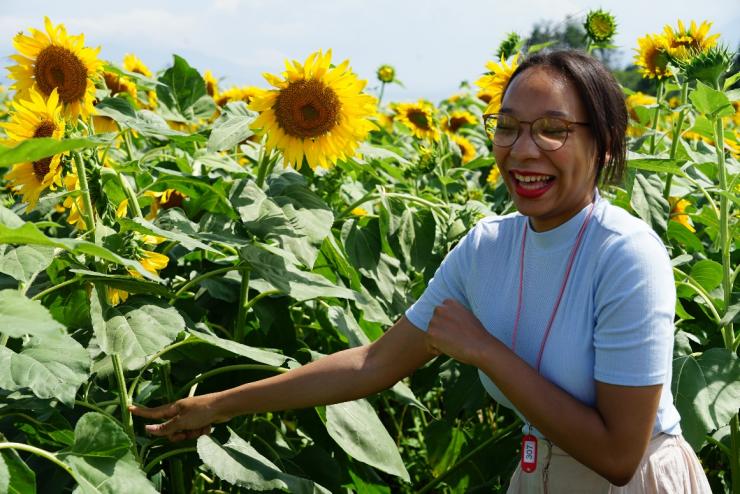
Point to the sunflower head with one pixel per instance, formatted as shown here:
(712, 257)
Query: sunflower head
(132, 63)
(652, 56)
(211, 84)
(458, 119)
(386, 74)
(683, 43)
(678, 212)
(37, 116)
(467, 150)
(316, 112)
(493, 175)
(600, 26)
(419, 118)
(706, 66)
(117, 84)
(56, 60)
(243, 93)
(509, 46)
(632, 102)
(493, 84)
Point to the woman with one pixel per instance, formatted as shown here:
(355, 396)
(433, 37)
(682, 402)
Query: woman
(580, 345)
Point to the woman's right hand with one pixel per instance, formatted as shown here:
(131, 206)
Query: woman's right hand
(187, 418)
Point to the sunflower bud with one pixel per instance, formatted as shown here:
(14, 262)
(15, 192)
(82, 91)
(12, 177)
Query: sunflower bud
(706, 66)
(600, 26)
(386, 74)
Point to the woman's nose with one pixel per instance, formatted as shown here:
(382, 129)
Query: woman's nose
(524, 147)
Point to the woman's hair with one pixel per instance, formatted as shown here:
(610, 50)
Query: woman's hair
(602, 96)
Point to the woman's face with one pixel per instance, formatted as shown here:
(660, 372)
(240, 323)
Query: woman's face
(570, 171)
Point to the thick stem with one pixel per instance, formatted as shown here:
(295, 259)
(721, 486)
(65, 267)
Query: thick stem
(54, 288)
(124, 403)
(724, 229)
(735, 453)
(262, 166)
(44, 454)
(177, 476)
(132, 199)
(202, 277)
(241, 315)
(151, 360)
(159, 459)
(88, 214)
(382, 90)
(229, 368)
(676, 136)
(656, 115)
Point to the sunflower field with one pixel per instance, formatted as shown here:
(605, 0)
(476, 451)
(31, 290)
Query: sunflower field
(161, 237)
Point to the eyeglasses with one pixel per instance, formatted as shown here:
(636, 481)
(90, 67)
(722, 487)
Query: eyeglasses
(548, 133)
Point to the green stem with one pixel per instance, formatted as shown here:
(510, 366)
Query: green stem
(259, 297)
(166, 455)
(262, 167)
(204, 276)
(177, 475)
(44, 454)
(88, 214)
(54, 288)
(95, 408)
(676, 136)
(703, 294)
(131, 195)
(229, 368)
(153, 359)
(735, 457)
(656, 115)
(126, 419)
(491, 440)
(724, 230)
(241, 316)
(382, 90)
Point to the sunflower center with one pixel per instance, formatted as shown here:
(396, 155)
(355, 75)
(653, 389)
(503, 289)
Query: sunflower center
(57, 67)
(42, 166)
(456, 123)
(307, 109)
(419, 119)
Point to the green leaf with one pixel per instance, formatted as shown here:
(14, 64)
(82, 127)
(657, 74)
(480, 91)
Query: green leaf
(731, 314)
(257, 354)
(711, 101)
(238, 463)
(29, 234)
(286, 277)
(648, 202)
(706, 391)
(135, 329)
(101, 458)
(52, 366)
(444, 445)
(231, 127)
(684, 237)
(41, 147)
(146, 123)
(147, 227)
(20, 316)
(707, 273)
(416, 236)
(344, 321)
(99, 435)
(182, 86)
(362, 244)
(25, 262)
(17, 478)
(356, 428)
(656, 165)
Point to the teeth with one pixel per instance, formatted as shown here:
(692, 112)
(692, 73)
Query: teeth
(532, 178)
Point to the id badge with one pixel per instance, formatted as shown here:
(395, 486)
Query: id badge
(529, 453)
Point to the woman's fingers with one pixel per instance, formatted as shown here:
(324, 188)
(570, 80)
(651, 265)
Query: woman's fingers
(168, 428)
(161, 412)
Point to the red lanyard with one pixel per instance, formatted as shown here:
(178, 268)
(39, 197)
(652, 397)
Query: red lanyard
(573, 253)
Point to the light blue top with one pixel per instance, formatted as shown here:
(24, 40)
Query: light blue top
(615, 321)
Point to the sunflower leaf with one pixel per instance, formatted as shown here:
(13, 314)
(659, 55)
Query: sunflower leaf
(41, 147)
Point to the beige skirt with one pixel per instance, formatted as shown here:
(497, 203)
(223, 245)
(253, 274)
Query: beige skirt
(669, 466)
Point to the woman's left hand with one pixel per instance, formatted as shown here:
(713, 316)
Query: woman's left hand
(455, 331)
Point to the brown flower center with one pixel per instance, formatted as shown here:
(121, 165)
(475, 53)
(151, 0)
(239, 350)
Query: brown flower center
(456, 122)
(57, 67)
(42, 166)
(307, 109)
(419, 119)
(114, 83)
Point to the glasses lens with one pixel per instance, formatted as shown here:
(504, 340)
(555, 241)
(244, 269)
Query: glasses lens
(549, 133)
(502, 129)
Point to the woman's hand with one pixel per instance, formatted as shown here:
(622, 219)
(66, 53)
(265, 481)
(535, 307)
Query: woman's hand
(455, 331)
(186, 419)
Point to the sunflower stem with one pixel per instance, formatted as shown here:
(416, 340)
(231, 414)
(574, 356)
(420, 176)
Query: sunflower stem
(228, 368)
(132, 199)
(676, 136)
(656, 115)
(382, 90)
(126, 419)
(262, 165)
(88, 214)
(44, 454)
(241, 316)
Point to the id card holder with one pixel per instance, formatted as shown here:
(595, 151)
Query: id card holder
(529, 453)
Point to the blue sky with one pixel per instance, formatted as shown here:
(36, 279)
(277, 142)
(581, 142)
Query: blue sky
(433, 44)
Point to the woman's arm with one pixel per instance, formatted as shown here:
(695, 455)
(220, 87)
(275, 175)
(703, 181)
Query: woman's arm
(342, 376)
(610, 438)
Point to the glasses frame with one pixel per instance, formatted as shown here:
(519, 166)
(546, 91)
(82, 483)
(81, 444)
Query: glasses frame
(568, 129)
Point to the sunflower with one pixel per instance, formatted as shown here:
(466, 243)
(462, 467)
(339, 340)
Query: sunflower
(386, 74)
(119, 85)
(632, 101)
(317, 112)
(678, 212)
(467, 150)
(169, 198)
(493, 175)
(600, 26)
(55, 60)
(683, 43)
(132, 63)
(211, 84)
(243, 93)
(359, 212)
(74, 202)
(31, 118)
(494, 82)
(419, 117)
(652, 56)
(458, 119)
